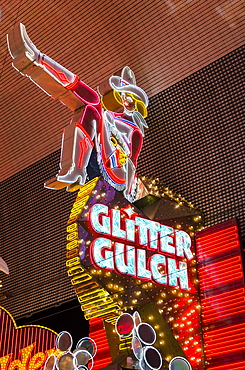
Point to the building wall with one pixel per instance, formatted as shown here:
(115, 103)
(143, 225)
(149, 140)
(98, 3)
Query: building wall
(195, 142)
(163, 41)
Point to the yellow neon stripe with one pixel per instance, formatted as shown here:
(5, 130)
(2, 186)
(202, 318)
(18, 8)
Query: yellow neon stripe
(78, 279)
(112, 320)
(72, 244)
(79, 290)
(97, 302)
(89, 285)
(72, 253)
(87, 188)
(112, 307)
(72, 236)
(89, 315)
(89, 296)
(75, 270)
(71, 228)
(123, 347)
(73, 261)
(81, 203)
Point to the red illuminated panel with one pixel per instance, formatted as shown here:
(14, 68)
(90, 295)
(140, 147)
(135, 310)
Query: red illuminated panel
(222, 296)
(221, 272)
(223, 305)
(98, 334)
(13, 339)
(211, 245)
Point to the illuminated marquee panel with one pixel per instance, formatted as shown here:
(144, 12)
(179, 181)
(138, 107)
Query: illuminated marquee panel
(223, 300)
(150, 236)
(25, 347)
(103, 225)
(94, 299)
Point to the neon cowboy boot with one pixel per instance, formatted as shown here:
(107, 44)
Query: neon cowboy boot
(75, 154)
(130, 190)
(49, 75)
(26, 54)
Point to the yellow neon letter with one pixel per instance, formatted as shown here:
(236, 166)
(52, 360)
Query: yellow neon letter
(37, 361)
(25, 354)
(4, 362)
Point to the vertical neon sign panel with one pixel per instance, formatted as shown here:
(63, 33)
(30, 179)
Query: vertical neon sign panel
(222, 291)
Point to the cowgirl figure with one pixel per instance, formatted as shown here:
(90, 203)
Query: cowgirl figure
(106, 132)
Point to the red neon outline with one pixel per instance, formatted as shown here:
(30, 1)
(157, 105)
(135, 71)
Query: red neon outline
(214, 277)
(134, 156)
(224, 239)
(99, 335)
(91, 91)
(134, 245)
(217, 250)
(160, 264)
(191, 247)
(119, 116)
(85, 133)
(228, 366)
(213, 280)
(221, 310)
(148, 239)
(211, 305)
(177, 266)
(83, 146)
(218, 316)
(173, 236)
(26, 332)
(219, 247)
(125, 255)
(91, 254)
(114, 178)
(111, 211)
(146, 266)
(218, 267)
(232, 348)
(227, 329)
(232, 338)
(84, 113)
(61, 76)
(218, 233)
(219, 281)
(90, 223)
(220, 298)
(71, 85)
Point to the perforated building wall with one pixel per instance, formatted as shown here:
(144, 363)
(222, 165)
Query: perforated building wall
(194, 145)
(162, 41)
(195, 141)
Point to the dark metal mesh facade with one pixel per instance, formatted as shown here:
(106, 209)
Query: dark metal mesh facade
(33, 239)
(195, 142)
(195, 145)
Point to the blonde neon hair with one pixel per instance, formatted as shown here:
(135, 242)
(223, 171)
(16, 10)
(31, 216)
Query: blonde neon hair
(112, 101)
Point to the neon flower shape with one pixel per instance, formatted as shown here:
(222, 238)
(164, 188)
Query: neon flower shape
(144, 336)
(81, 358)
(179, 363)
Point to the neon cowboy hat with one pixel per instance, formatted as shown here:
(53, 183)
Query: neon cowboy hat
(127, 83)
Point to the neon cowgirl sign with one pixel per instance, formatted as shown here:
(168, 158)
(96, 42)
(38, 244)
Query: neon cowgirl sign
(113, 249)
(106, 132)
